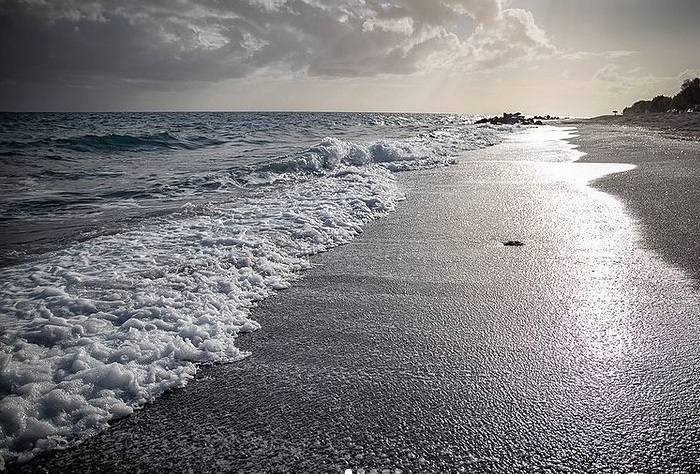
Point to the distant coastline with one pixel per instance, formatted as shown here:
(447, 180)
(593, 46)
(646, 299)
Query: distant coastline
(676, 117)
(686, 101)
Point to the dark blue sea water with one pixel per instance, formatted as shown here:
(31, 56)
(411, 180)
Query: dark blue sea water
(70, 177)
(133, 245)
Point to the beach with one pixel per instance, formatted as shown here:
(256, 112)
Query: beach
(350, 237)
(663, 191)
(427, 345)
(685, 126)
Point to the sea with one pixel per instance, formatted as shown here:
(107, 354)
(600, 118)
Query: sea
(134, 245)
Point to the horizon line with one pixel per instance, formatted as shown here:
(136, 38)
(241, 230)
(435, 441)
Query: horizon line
(271, 111)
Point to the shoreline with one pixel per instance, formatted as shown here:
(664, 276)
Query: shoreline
(426, 345)
(662, 192)
(684, 126)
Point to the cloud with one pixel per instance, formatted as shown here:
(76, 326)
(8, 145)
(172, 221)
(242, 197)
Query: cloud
(73, 42)
(618, 81)
(583, 55)
(509, 37)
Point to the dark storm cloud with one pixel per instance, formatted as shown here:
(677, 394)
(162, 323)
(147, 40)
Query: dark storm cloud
(70, 41)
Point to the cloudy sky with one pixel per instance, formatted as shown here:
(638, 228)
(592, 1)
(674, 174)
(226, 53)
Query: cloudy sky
(565, 57)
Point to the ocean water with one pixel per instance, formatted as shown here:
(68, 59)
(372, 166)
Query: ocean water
(133, 246)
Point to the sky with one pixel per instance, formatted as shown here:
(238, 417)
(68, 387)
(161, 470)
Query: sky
(575, 58)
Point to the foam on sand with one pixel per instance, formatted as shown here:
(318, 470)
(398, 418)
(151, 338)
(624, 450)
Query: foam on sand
(93, 331)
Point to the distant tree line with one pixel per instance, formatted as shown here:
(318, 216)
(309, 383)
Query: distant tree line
(688, 99)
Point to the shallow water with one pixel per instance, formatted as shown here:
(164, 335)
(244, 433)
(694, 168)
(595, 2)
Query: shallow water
(132, 246)
(576, 352)
(435, 348)
(70, 177)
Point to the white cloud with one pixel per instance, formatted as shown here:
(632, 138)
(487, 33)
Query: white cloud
(394, 25)
(618, 81)
(511, 36)
(584, 55)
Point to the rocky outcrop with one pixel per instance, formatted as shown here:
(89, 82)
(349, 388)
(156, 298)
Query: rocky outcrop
(516, 118)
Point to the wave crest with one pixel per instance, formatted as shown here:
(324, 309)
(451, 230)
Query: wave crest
(332, 153)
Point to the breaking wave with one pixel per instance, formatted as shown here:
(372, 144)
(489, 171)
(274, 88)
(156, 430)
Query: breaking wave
(97, 328)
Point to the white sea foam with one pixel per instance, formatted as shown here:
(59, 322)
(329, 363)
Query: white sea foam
(102, 327)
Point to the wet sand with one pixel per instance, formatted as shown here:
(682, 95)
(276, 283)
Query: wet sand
(426, 345)
(663, 192)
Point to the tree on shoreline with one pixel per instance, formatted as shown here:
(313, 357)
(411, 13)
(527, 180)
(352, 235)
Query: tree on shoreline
(687, 99)
(689, 96)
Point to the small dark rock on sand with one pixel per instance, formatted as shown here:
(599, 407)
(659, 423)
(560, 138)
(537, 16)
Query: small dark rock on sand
(513, 243)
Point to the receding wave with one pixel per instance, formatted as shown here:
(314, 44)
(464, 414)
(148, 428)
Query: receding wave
(122, 318)
(102, 326)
